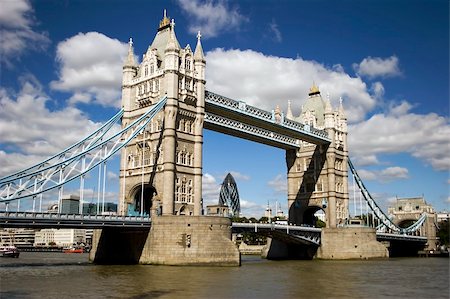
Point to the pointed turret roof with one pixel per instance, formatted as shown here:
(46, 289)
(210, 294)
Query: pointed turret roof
(315, 104)
(341, 110)
(289, 114)
(172, 43)
(328, 108)
(198, 54)
(130, 61)
(162, 37)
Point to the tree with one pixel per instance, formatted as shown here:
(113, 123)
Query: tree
(264, 220)
(443, 232)
(253, 220)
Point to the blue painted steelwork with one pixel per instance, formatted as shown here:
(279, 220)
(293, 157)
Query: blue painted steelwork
(246, 129)
(31, 183)
(292, 128)
(72, 150)
(309, 235)
(51, 220)
(386, 222)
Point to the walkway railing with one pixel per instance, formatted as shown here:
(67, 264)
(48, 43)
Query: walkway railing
(240, 107)
(53, 220)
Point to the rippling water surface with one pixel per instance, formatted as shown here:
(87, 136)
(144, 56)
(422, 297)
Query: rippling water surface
(58, 275)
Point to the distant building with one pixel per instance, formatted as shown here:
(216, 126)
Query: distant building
(19, 237)
(218, 210)
(443, 216)
(229, 195)
(70, 204)
(59, 237)
(268, 211)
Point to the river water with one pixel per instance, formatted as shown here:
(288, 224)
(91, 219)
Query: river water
(59, 275)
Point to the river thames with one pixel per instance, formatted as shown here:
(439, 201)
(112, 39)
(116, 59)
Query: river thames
(59, 275)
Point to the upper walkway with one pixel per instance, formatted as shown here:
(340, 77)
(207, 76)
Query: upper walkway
(237, 118)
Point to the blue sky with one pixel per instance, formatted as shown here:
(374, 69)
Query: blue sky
(61, 72)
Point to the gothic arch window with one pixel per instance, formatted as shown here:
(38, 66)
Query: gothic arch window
(181, 126)
(188, 63)
(152, 69)
(186, 126)
(319, 185)
(146, 71)
(156, 85)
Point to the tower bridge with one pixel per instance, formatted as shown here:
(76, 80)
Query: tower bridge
(165, 109)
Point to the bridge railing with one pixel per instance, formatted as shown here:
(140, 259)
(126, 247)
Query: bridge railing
(262, 114)
(55, 220)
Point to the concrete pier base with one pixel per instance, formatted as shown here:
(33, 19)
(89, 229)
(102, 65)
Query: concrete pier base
(193, 240)
(350, 243)
(172, 240)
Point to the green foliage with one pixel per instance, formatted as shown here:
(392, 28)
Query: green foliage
(239, 219)
(253, 220)
(251, 238)
(320, 223)
(443, 232)
(264, 219)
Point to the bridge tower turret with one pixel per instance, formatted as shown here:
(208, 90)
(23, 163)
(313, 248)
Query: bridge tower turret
(199, 77)
(129, 72)
(317, 175)
(161, 170)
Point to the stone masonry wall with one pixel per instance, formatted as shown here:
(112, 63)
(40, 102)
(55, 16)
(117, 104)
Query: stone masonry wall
(194, 240)
(350, 243)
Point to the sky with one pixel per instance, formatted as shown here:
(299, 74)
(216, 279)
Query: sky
(61, 68)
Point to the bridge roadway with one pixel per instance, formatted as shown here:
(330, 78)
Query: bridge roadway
(300, 234)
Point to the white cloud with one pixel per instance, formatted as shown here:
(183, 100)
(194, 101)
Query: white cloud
(211, 17)
(252, 209)
(394, 173)
(239, 176)
(385, 175)
(365, 160)
(279, 184)
(91, 68)
(367, 175)
(276, 33)
(27, 138)
(378, 67)
(377, 89)
(211, 189)
(16, 31)
(424, 136)
(112, 176)
(268, 81)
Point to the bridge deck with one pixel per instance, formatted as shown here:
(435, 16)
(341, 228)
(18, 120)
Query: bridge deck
(50, 220)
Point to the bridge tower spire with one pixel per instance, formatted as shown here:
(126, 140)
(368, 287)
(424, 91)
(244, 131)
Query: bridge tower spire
(317, 175)
(161, 171)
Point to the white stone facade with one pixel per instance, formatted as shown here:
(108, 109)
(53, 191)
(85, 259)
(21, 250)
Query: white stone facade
(161, 170)
(318, 175)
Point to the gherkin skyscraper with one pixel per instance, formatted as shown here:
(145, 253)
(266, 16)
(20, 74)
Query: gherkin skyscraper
(229, 195)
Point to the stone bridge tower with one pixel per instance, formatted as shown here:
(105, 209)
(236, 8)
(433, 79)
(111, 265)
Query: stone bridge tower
(161, 170)
(406, 211)
(318, 175)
